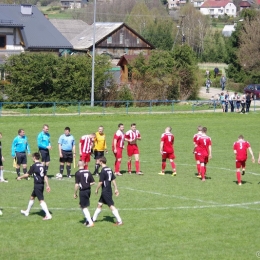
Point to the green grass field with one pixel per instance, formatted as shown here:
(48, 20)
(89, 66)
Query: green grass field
(164, 217)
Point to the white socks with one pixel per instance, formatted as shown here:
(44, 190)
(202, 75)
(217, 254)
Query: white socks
(97, 211)
(30, 204)
(87, 216)
(45, 208)
(116, 214)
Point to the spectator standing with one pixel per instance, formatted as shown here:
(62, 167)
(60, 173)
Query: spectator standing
(243, 103)
(238, 102)
(226, 101)
(240, 148)
(216, 71)
(223, 82)
(231, 102)
(19, 147)
(248, 102)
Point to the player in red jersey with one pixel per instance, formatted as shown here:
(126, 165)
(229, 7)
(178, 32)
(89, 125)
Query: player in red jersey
(167, 150)
(118, 146)
(240, 150)
(195, 150)
(204, 151)
(131, 137)
(85, 146)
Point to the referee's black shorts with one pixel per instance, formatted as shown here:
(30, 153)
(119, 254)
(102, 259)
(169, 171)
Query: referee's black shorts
(66, 157)
(45, 155)
(98, 154)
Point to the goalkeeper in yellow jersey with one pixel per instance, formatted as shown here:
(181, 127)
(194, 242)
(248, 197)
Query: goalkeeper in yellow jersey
(100, 147)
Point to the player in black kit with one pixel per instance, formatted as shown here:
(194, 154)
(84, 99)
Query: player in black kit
(106, 177)
(37, 170)
(83, 182)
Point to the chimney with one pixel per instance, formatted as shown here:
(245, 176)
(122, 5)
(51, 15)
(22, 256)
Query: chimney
(26, 9)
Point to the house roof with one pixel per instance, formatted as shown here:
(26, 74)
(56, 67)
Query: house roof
(69, 28)
(37, 31)
(84, 40)
(215, 3)
(129, 58)
(244, 3)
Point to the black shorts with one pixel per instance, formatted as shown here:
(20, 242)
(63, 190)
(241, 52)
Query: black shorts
(38, 191)
(45, 155)
(98, 154)
(84, 196)
(21, 158)
(1, 162)
(67, 157)
(106, 198)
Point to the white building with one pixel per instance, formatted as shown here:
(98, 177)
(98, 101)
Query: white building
(217, 8)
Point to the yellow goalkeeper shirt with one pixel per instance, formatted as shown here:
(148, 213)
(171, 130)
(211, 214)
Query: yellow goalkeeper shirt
(100, 142)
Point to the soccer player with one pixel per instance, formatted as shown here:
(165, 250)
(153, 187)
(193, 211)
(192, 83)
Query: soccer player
(118, 146)
(44, 145)
(106, 177)
(66, 151)
(83, 182)
(100, 146)
(240, 150)
(167, 150)
(204, 151)
(85, 148)
(131, 137)
(19, 147)
(37, 170)
(195, 151)
(1, 163)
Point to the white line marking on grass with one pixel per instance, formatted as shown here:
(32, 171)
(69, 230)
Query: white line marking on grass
(172, 196)
(239, 205)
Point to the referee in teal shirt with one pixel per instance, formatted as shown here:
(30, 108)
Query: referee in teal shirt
(19, 147)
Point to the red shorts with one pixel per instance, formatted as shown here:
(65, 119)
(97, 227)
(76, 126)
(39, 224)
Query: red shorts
(203, 159)
(132, 149)
(168, 156)
(85, 157)
(196, 156)
(119, 152)
(240, 164)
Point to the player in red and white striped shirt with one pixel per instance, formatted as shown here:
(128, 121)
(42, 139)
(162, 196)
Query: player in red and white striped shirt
(204, 151)
(131, 136)
(240, 150)
(85, 146)
(118, 146)
(167, 150)
(195, 151)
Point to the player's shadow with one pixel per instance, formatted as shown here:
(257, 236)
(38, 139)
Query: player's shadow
(40, 213)
(108, 219)
(243, 182)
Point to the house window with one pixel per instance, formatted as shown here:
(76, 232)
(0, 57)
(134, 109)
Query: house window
(137, 40)
(109, 39)
(220, 11)
(211, 11)
(232, 10)
(121, 38)
(2, 41)
(227, 10)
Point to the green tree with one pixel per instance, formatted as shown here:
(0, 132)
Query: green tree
(46, 77)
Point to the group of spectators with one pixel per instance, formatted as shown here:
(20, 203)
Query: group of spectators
(235, 102)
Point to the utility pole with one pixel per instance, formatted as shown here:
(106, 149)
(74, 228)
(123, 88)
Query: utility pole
(180, 27)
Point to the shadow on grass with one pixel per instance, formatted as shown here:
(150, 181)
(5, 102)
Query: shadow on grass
(243, 182)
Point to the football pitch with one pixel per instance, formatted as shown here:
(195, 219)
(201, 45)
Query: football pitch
(164, 217)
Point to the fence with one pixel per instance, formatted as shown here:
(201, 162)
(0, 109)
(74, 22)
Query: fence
(112, 107)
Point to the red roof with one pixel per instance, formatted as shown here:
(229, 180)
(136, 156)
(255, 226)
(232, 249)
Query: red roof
(244, 4)
(215, 3)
